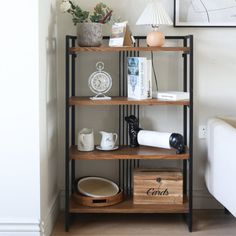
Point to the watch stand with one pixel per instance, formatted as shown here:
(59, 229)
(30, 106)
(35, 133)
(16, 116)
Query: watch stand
(100, 96)
(100, 82)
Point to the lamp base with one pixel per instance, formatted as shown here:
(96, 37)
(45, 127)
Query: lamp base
(155, 39)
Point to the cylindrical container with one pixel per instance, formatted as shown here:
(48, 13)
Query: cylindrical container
(154, 139)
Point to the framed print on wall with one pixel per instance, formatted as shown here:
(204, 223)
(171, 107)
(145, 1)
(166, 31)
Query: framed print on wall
(205, 13)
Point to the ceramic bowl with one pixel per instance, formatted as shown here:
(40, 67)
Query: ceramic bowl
(97, 187)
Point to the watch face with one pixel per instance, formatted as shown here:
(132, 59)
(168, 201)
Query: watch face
(100, 82)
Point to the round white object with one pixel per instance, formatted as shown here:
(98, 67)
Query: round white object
(101, 149)
(100, 82)
(97, 187)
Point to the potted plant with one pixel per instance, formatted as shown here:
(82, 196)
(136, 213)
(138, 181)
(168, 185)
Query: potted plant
(89, 25)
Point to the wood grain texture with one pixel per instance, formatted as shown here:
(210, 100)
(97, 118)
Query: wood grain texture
(126, 152)
(98, 201)
(86, 101)
(127, 206)
(158, 187)
(122, 49)
(167, 174)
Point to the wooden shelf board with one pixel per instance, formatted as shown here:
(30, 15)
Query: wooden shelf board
(127, 206)
(86, 101)
(121, 49)
(125, 152)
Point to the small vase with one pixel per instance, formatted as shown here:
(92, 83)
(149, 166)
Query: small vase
(89, 34)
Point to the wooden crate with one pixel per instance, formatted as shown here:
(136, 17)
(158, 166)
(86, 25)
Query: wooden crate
(158, 186)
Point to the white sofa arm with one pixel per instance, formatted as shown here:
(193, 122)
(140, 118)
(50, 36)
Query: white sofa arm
(220, 172)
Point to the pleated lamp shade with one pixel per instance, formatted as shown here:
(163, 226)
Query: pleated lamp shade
(154, 14)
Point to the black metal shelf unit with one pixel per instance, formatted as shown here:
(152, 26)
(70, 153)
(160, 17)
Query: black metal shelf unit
(126, 166)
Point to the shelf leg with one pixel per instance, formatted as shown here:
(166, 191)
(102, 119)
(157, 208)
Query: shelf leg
(67, 220)
(190, 221)
(190, 169)
(67, 111)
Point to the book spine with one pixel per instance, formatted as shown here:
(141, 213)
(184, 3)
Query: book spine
(142, 78)
(136, 79)
(166, 96)
(173, 97)
(149, 79)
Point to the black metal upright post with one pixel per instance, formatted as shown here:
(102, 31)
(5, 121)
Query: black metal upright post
(67, 128)
(190, 134)
(138, 107)
(123, 122)
(119, 81)
(73, 86)
(185, 116)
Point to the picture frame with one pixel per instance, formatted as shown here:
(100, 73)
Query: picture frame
(120, 35)
(204, 13)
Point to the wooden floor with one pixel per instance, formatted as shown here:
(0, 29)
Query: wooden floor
(213, 222)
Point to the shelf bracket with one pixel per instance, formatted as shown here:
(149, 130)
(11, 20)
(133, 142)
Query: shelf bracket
(73, 53)
(185, 53)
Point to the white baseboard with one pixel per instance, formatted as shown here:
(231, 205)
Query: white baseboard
(49, 220)
(27, 227)
(19, 233)
(201, 200)
(17, 227)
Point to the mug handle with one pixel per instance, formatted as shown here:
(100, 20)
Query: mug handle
(81, 139)
(116, 136)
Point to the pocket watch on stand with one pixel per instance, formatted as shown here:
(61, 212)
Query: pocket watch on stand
(100, 82)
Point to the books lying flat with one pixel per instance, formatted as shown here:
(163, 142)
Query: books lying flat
(172, 95)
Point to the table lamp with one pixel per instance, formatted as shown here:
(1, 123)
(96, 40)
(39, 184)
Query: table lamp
(154, 14)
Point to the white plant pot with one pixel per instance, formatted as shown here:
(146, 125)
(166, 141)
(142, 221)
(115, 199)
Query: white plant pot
(89, 34)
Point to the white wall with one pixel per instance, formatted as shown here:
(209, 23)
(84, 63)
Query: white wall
(48, 114)
(214, 85)
(19, 126)
(28, 127)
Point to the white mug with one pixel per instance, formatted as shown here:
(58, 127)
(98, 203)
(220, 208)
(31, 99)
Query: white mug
(86, 140)
(108, 140)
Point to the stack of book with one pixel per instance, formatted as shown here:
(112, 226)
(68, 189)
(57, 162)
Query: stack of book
(139, 78)
(172, 95)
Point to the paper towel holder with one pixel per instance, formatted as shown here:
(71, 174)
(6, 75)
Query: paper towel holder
(173, 140)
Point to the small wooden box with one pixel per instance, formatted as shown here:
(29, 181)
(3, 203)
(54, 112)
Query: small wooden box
(158, 187)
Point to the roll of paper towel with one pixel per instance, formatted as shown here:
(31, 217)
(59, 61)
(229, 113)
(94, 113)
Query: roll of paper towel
(154, 139)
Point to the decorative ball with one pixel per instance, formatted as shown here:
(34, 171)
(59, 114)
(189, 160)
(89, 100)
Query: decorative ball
(155, 39)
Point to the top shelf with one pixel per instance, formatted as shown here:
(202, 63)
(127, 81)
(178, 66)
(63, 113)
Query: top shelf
(122, 49)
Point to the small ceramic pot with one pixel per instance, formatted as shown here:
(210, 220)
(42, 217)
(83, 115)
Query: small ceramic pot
(89, 34)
